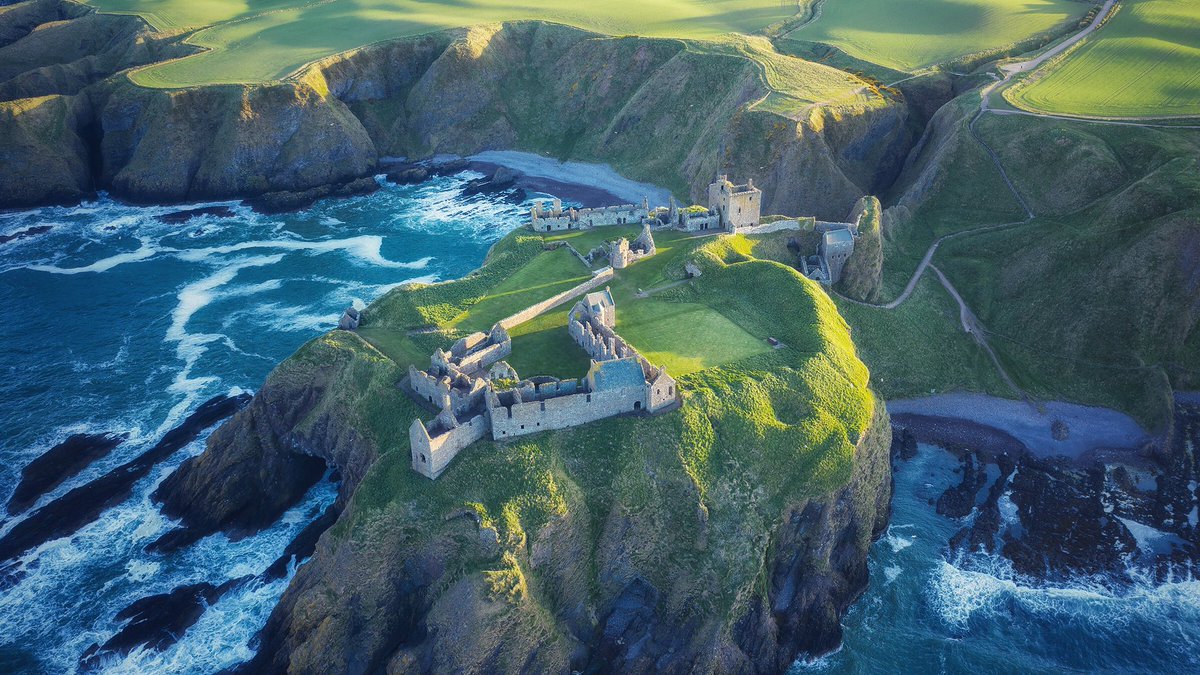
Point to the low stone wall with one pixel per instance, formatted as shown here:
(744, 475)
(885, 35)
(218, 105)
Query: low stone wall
(599, 277)
(767, 228)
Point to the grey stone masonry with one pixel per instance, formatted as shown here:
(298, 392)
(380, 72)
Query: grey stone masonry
(474, 393)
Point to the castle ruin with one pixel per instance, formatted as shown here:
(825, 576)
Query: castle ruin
(834, 249)
(731, 208)
(477, 393)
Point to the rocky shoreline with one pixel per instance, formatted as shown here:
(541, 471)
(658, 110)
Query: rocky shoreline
(1107, 510)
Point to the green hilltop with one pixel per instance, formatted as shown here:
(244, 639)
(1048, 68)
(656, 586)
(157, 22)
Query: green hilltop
(267, 41)
(760, 429)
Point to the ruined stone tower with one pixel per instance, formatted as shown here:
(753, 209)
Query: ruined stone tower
(736, 205)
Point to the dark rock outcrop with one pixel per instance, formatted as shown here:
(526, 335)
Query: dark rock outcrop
(158, 621)
(57, 464)
(262, 462)
(502, 178)
(85, 503)
(177, 217)
(295, 200)
(1109, 515)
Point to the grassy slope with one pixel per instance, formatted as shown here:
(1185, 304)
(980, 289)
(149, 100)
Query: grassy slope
(272, 40)
(1093, 301)
(909, 35)
(919, 349)
(1144, 62)
(960, 189)
(753, 435)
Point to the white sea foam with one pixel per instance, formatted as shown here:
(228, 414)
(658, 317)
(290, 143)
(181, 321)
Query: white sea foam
(897, 543)
(190, 347)
(959, 594)
(143, 252)
(364, 247)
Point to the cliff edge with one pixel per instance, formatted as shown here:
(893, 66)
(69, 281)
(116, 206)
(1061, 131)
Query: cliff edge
(727, 536)
(672, 111)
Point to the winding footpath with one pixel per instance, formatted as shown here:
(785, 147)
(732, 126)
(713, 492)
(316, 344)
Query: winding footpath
(970, 322)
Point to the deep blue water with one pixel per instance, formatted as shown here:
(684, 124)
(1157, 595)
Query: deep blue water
(113, 321)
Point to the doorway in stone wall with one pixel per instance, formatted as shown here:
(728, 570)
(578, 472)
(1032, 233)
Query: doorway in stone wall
(637, 405)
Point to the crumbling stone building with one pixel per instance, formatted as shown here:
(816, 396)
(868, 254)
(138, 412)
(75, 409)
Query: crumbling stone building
(472, 388)
(555, 219)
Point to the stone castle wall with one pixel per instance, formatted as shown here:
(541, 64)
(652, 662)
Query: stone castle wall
(557, 220)
(560, 412)
(598, 277)
(482, 358)
(599, 341)
(431, 455)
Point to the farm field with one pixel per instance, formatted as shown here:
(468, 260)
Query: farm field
(268, 40)
(1145, 62)
(909, 35)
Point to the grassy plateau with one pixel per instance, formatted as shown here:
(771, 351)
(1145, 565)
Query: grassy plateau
(1144, 62)
(263, 41)
(909, 35)
(760, 428)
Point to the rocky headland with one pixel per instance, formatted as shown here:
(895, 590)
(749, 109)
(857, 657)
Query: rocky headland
(580, 550)
(653, 108)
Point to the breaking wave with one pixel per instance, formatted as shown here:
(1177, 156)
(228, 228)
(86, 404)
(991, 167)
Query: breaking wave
(115, 321)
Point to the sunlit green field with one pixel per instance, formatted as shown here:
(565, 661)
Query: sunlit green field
(909, 35)
(256, 41)
(1144, 62)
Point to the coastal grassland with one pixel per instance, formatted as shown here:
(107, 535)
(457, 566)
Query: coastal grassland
(1094, 300)
(690, 498)
(1144, 62)
(546, 275)
(796, 85)
(952, 186)
(267, 42)
(919, 348)
(542, 346)
(909, 35)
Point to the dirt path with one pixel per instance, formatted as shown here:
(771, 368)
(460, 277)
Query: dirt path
(1025, 66)
(972, 326)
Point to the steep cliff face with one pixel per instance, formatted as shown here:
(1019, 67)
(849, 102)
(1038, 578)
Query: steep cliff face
(590, 595)
(656, 109)
(261, 462)
(43, 155)
(167, 145)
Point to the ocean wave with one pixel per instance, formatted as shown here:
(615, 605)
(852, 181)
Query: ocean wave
(990, 586)
(365, 247)
(143, 252)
